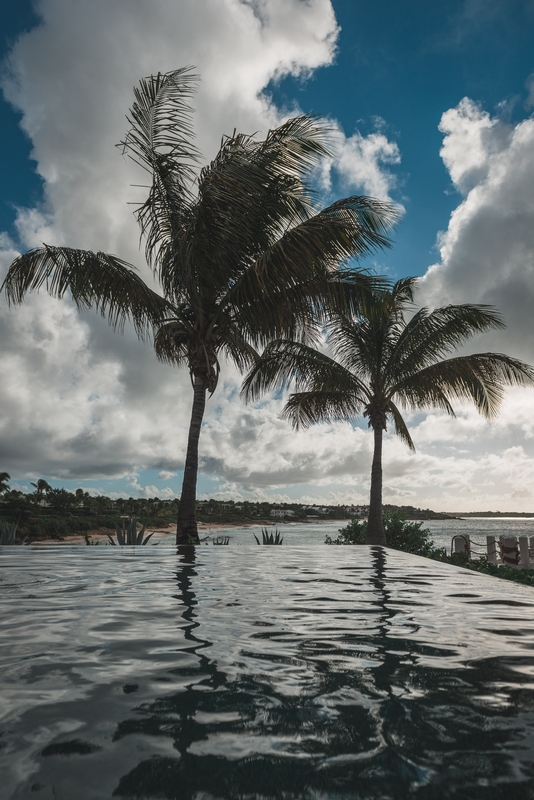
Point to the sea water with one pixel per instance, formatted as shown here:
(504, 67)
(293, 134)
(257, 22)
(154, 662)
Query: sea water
(441, 531)
(287, 673)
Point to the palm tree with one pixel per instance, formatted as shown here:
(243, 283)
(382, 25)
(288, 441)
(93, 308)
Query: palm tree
(41, 488)
(241, 252)
(5, 477)
(381, 363)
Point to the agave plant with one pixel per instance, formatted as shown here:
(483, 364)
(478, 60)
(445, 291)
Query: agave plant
(269, 538)
(89, 540)
(221, 540)
(127, 534)
(7, 532)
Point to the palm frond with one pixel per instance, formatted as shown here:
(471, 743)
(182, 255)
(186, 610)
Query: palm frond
(349, 228)
(284, 362)
(248, 195)
(295, 281)
(480, 378)
(428, 336)
(160, 140)
(95, 280)
(237, 347)
(307, 408)
(172, 342)
(401, 429)
(297, 145)
(402, 292)
(360, 345)
(161, 123)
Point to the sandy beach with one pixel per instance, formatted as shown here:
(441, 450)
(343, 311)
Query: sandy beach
(166, 532)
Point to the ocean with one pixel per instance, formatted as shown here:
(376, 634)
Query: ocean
(442, 531)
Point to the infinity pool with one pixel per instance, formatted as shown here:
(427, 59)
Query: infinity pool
(280, 672)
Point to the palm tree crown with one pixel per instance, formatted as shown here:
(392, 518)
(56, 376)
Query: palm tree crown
(383, 363)
(241, 252)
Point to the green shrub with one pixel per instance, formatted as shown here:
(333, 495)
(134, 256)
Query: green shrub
(45, 527)
(410, 537)
(482, 564)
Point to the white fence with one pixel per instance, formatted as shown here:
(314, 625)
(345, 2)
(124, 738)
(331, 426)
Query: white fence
(510, 551)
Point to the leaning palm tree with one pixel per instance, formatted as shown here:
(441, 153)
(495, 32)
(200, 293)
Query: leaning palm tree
(42, 487)
(382, 363)
(241, 251)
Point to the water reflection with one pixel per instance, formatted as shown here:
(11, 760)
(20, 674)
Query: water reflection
(289, 675)
(310, 722)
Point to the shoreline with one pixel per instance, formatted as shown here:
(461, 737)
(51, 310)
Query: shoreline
(101, 534)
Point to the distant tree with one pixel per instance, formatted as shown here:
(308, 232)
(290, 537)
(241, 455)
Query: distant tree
(61, 499)
(4, 479)
(41, 488)
(383, 362)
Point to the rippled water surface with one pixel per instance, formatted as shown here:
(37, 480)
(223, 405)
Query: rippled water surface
(279, 672)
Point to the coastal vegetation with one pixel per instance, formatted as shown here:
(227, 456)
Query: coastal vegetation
(401, 534)
(5, 477)
(411, 537)
(481, 564)
(241, 251)
(8, 532)
(388, 358)
(60, 513)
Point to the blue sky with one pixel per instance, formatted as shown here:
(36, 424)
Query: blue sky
(386, 74)
(405, 63)
(401, 63)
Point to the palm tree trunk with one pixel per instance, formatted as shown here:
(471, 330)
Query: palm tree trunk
(375, 523)
(186, 530)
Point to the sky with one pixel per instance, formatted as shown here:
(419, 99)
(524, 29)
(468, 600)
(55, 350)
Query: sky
(431, 107)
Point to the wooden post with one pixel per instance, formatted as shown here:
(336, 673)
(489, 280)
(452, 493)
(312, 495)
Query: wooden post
(510, 552)
(461, 544)
(524, 562)
(492, 549)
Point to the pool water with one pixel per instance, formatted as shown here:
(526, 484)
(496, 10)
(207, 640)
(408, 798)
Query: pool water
(216, 672)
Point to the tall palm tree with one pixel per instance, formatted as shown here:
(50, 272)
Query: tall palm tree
(240, 250)
(382, 362)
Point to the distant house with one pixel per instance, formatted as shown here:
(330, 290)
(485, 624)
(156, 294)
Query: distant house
(282, 512)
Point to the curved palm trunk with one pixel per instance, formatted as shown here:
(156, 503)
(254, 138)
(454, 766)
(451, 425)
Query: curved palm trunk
(375, 523)
(186, 530)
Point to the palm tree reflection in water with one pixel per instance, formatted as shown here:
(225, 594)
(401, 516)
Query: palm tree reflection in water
(339, 696)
